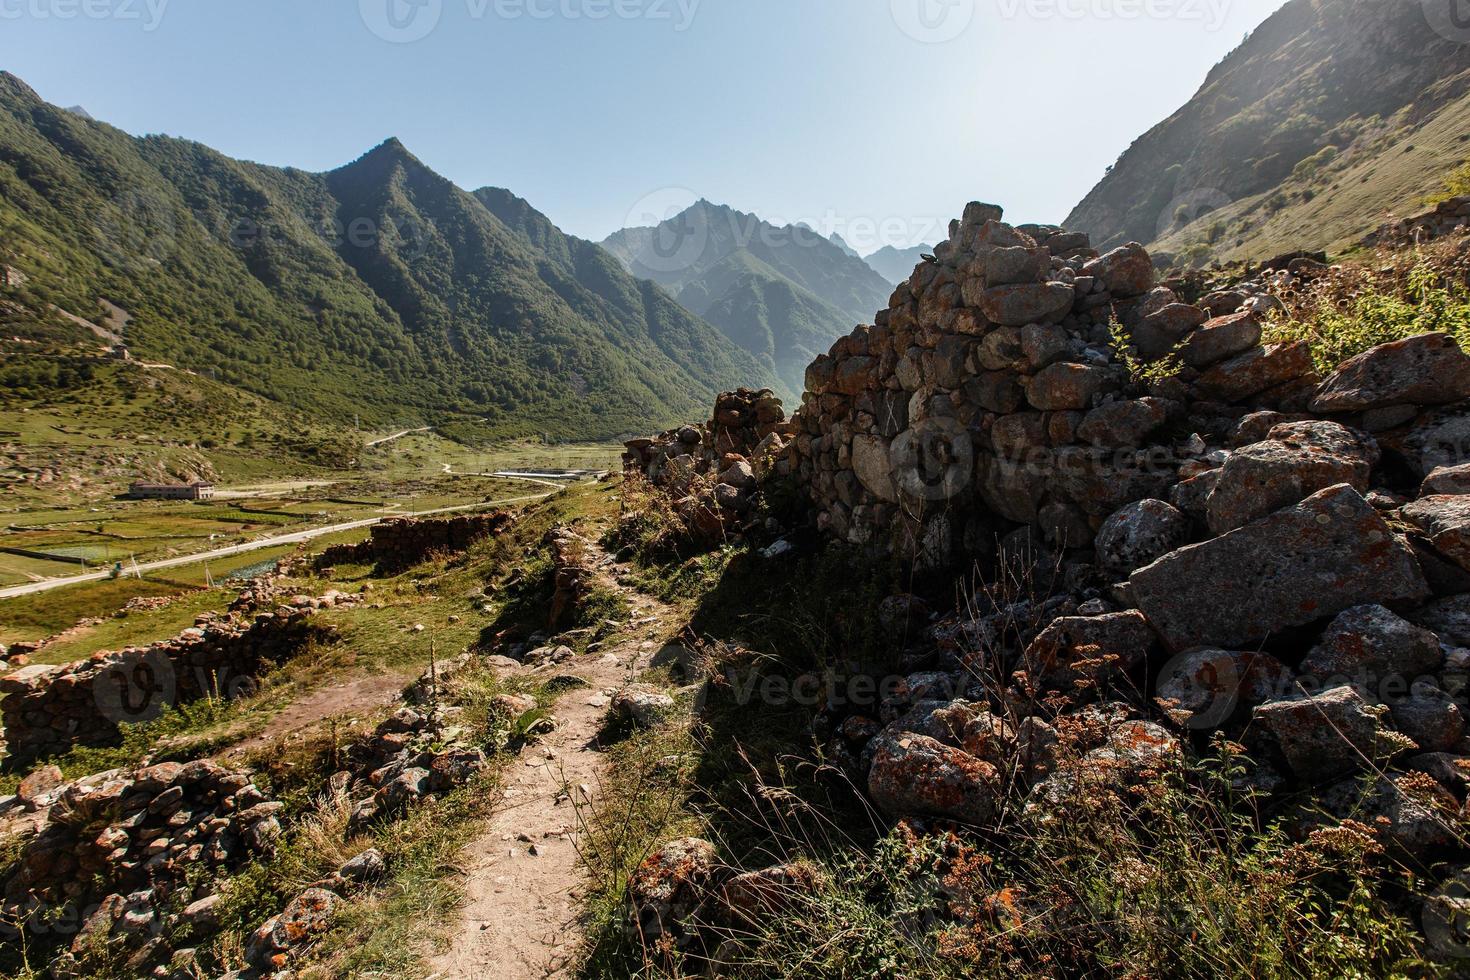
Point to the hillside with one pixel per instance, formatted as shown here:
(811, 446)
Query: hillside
(781, 294)
(897, 264)
(379, 289)
(1331, 115)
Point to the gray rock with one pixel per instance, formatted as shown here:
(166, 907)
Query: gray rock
(1326, 735)
(1297, 460)
(1366, 643)
(1429, 369)
(641, 705)
(1449, 619)
(1202, 688)
(1430, 717)
(1221, 338)
(1445, 521)
(874, 469)
(915, 776)
(1329, 553)
(1138, 535)
(1123, 424)
(1090, 650)
(1255, 371)
(1447, 481)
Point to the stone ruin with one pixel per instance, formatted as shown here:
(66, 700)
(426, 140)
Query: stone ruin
(399, 544)
(1005, 386)
(714, 470)
(125, 857)
(1212, 537)
(1445, 218)
(48, 709)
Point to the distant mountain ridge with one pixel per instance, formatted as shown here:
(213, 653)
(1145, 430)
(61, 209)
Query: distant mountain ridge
(897, 264)
(783, 294)
(379, 289)
(1329, 116)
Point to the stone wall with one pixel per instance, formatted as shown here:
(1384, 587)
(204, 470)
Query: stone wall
(402, 543)
(126, 857)
(995, 391)
(48, 709)
(713, 470)
(1444, 218)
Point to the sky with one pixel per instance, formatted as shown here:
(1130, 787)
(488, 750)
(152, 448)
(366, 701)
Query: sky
(876, 119)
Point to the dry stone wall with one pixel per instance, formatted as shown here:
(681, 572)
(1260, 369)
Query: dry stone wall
(48, 709)
(402, 543)
(1006, 385)
(1443, 219)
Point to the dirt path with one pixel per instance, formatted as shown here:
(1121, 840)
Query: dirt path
(524, 883)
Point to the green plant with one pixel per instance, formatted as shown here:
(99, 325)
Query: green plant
(1456, 184)
(1141, 371)
(1340, 327)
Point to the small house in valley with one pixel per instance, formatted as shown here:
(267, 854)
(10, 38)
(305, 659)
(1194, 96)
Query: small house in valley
(198, 490)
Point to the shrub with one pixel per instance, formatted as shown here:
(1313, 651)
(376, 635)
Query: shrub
(1339, 327)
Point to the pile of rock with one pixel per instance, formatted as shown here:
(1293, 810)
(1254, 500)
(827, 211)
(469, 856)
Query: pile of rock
(998, 389)
(714, 470)
(1448, 217)
(683, 896)
(48, 709)
(399, 544)
(127, 858)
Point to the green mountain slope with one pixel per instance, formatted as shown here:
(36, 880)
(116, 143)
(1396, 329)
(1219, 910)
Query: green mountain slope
(378, 289)
(774, 291)
(1331, 115)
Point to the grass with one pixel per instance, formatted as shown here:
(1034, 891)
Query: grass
(137, 628)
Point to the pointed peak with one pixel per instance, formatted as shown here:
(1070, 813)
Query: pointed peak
(13, 85)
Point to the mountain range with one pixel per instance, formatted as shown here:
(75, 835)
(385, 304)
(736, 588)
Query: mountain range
(783, 294)
(897, 264)
(378, 290)
(1330, 116)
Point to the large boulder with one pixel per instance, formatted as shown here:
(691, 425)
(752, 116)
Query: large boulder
(1139, 534)
(1328, 553)
(1326, 735)
(1089, 650)
(1023, 303)
(1445, 521)
(1255, 371)
(1125, 271)
(1296, 460)
(1429, 369)
(916, 775)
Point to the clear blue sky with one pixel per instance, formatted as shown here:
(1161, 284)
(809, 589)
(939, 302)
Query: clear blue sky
(846, 114)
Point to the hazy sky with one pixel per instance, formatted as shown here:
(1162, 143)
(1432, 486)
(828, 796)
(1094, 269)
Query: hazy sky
(874, 118)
